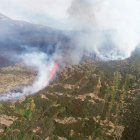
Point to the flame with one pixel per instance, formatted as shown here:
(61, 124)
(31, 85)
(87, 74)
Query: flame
(52, 72)
(35, 73)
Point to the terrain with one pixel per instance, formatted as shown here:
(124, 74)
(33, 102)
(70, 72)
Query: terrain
(15, 76)
(93, 100)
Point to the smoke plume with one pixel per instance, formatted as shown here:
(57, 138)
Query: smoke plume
(39, 61)
(110, 28)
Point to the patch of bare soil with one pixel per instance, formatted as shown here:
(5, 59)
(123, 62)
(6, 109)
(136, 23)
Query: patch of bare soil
(61, 138)
(7, 120)
(18, 75)
(66, 120)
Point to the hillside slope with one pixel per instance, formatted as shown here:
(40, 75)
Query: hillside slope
(93, 100)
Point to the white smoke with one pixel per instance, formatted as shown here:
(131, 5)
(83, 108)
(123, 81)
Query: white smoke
(39, 61)
(112, 27)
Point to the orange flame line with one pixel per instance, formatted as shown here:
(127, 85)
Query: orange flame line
(52, 72)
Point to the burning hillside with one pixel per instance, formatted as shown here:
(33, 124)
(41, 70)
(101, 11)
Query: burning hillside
(95, 31)
(90, 99)
(15, 79)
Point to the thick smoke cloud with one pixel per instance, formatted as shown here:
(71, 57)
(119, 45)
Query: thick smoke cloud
(111, 28)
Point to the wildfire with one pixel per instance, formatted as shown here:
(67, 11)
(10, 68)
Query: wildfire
(52, 72)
